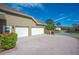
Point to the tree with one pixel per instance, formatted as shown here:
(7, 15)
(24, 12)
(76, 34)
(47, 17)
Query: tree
(49, 21)
(50, 25)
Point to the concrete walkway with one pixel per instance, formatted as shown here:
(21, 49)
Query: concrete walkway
(45, 45)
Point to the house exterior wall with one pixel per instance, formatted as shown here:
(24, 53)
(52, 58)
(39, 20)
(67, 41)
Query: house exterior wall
(19, 21)
(58, 29)
(13, 20)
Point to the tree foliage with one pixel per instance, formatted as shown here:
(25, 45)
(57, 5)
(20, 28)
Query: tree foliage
(49, 21)
(50, 24)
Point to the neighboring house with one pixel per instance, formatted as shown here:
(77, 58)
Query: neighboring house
(58, 29)
(14, 21)
(66, 28)
(76, 28)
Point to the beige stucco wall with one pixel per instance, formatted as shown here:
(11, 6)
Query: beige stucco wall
(19, 21)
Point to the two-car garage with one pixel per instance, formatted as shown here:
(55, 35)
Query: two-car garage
(24, 31)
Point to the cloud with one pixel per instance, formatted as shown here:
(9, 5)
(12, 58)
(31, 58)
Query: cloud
(32, 5)
(15, 6)
(60, 18)
(19, 6)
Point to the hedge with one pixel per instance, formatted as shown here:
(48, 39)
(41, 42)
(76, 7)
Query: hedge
(8, 40)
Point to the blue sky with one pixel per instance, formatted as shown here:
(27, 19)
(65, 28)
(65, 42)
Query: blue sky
(65, 13)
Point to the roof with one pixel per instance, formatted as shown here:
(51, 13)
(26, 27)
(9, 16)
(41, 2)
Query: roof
(7, 9)
(38, 22)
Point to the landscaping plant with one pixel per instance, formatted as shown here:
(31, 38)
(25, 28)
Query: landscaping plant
(50, 26)
(8, 40)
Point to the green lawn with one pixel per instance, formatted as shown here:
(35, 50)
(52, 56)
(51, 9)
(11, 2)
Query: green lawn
(76, 35)
(72, 33)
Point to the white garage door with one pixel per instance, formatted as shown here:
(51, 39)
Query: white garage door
(36, 31)
(21, 31)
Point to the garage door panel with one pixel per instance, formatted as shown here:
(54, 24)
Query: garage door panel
(36, 31)
(21, 31)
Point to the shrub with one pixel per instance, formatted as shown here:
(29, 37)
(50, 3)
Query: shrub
(1, 38)
(0, 41)
(8, 40)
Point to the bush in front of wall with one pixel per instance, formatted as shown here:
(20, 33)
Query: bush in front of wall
(8, 40)
(1, 38)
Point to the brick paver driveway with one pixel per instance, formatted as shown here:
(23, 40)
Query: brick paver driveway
(45, 45)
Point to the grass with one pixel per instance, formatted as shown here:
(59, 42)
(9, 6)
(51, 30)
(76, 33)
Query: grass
(74, 34)
(63, 30)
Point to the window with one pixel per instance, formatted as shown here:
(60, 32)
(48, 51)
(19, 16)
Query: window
(7, 29)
